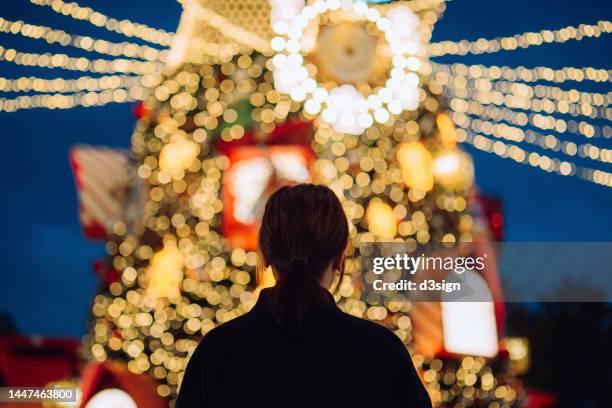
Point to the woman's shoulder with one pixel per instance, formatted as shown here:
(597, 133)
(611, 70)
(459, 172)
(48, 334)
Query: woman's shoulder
(226, 336)
(371, 332)
(230, 330)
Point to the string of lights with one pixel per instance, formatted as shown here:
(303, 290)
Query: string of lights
(525, 40)
(84, 83)
(545, 122)
(524, 90)
(49, 60)
(67, 101)
(526, 74)
(545, 105)
(518, 135)
(60, 37)
(533, 159)
(124, 27)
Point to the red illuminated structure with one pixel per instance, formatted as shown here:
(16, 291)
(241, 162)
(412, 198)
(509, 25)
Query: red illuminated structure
(254, 174)
(34, 362)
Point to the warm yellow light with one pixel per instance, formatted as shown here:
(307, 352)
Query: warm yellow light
(416, 163)
(266, 278)
(178, 155)
(453, 169)
(381, 220)
(165, 273)
(448, 134)
(518, 351)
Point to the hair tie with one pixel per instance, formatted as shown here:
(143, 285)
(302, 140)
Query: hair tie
(298, 259)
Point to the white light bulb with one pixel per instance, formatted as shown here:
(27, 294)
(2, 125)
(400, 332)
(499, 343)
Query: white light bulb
(295, 59)
(320, 6)
(383, 24)
(295, 33)
(279, 61)
(309, 85)
(397, 47)
(333, 4)
(412, 79)
(111, 398)
(278, 43)
(360, 8)
(381, 115)
(329, 115)
(312, 107)
(397, 73)
(281, 27)
(320, 95)
(347, 119)
(413, 63)
(385, 94)
(374, 101)
(395, 107)
(293, 46)
(298, 94)
(309, 12)
(300, 22)
(365, 120)
(411, 47)
(361, 105)
(373, 15)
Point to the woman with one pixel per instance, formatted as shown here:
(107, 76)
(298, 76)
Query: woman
(296, 348)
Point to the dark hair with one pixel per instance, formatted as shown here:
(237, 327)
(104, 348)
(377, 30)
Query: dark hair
(303, 230)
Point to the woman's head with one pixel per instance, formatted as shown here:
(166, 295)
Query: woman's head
(304, 234)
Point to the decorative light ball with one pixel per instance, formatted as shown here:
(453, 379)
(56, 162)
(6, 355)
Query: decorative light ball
(346, 52)
(381, 220)
(453, 169)
(416, 163)
(178, 155)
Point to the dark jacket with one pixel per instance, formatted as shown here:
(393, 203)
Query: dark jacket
(339, 361)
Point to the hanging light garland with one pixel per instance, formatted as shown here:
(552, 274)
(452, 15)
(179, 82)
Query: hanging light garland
(518, 135)
(49, 60)
(60, 37)
(84, 83)
(525, 74)
(125, 27)
(525, 40)
(533, 159)
(545, 105)
(523, 119)
(524, 90)
(67, 101)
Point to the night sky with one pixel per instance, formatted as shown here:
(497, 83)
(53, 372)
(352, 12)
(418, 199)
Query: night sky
(47, 282)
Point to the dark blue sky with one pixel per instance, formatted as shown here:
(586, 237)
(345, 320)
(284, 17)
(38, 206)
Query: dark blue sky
(47, 282)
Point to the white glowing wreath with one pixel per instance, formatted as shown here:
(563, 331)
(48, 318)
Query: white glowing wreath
(345, 108)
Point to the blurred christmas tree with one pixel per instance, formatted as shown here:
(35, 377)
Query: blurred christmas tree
(261, 94)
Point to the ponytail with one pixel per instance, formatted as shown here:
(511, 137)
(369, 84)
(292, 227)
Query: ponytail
(296, 295)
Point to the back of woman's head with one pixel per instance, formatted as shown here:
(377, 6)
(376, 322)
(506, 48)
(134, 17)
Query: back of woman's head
(304, 230)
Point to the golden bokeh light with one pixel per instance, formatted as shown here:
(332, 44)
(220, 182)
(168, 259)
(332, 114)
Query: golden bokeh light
(178, 155)
(165, 273)
(416, 163)
(381, 220)
(453, 169)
